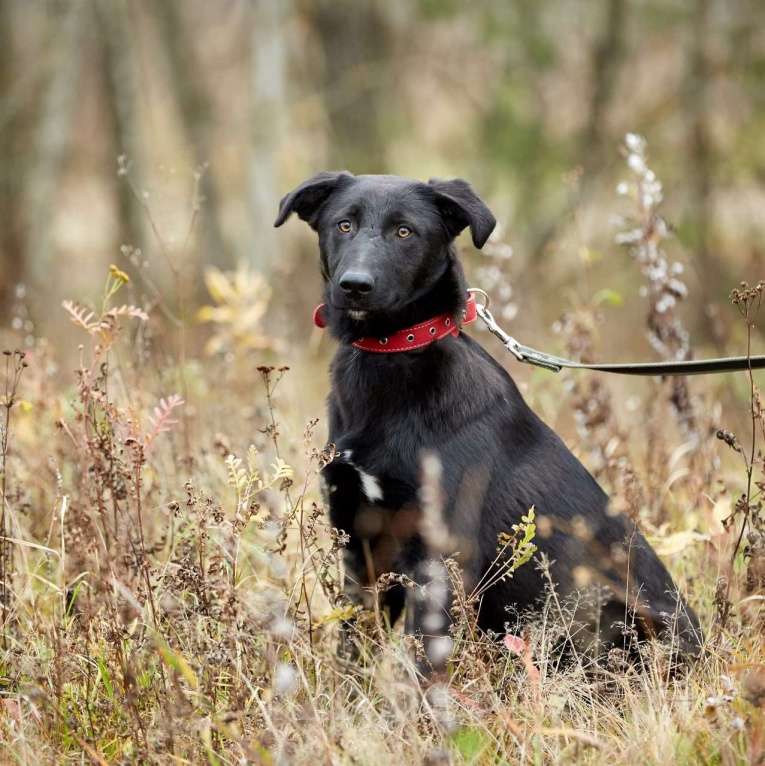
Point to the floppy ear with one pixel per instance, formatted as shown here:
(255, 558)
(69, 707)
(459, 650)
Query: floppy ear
(460, 207)
(306, 199)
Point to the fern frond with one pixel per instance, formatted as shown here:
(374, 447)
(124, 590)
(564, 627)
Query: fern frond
(162, 419)
(81, 316)
(134, 312)
(280, 471)
(252, 466)
(237, 476)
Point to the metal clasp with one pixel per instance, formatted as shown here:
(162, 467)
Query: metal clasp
(518, 350)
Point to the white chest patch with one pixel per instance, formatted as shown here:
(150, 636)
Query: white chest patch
(370, 486)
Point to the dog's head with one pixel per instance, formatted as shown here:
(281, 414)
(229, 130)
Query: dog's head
(385, 241)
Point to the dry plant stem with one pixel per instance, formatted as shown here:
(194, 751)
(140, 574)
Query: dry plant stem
(273, 431)
(14, 366)
(3, 489)
(144, 560)
(127, 691)
(628, 579)
(750, 462)
(545, 568)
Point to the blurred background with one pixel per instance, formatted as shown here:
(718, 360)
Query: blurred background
(159, 136)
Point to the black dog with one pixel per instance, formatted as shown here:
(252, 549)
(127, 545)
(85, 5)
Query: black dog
(389, 263)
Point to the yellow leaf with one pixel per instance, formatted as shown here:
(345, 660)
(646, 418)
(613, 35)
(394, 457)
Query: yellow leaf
(206, 314)
(337, 615)
(240, 302)
(219, 286)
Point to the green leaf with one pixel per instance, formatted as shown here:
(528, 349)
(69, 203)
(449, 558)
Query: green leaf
(471, 742)
(177, 662)
(106, 678)
(609, 296)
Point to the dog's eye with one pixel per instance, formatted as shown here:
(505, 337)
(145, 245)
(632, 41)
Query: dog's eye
(403, 232)
(344, 226)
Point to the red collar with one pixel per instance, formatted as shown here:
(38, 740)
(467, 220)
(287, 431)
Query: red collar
(417, 336)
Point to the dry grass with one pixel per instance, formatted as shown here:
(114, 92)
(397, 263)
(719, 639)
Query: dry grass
(172, 588)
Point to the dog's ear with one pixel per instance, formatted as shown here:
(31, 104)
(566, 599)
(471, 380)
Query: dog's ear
(460, 207)
(306, 199)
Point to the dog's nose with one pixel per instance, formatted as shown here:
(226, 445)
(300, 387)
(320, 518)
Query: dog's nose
(356, 283)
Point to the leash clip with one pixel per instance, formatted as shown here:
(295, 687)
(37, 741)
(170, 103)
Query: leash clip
(518, 350)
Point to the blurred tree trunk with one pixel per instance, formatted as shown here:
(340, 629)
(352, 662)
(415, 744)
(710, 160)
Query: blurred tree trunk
(269, 124)
(607, 58)
(595, 145)
(531, 38)
(197, 111)
(53, 134)
(12, 171)
(355, 39)
(714, 279)
(121, 99)
(699, 154)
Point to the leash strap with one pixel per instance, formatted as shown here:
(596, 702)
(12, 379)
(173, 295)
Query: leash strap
(529, 355)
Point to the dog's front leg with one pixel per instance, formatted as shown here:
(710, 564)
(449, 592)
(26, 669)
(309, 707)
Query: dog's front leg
(429, 617)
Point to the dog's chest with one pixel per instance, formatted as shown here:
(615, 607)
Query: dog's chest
(346, 484)
(369, 485)
(377, 507)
